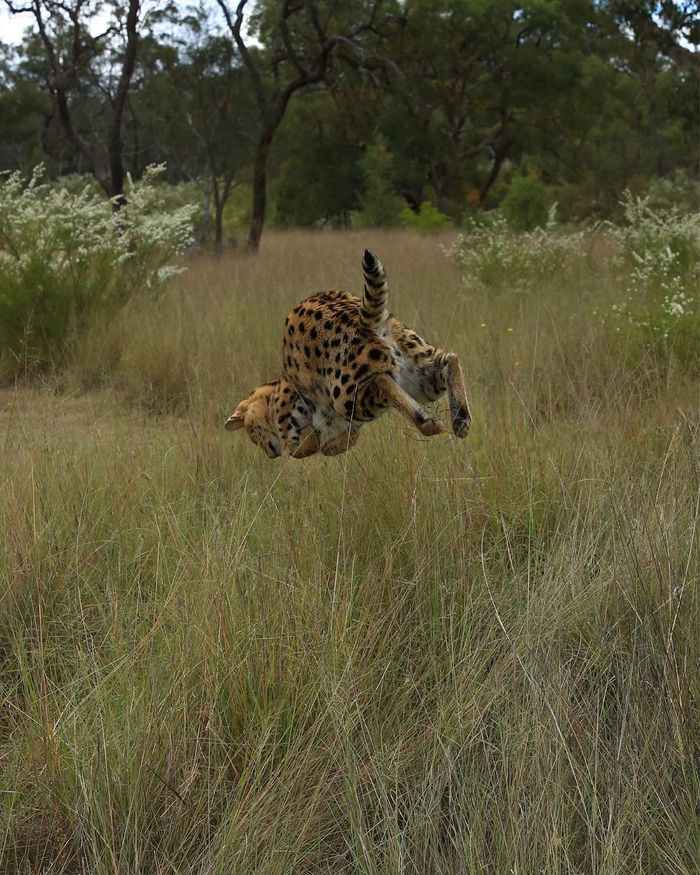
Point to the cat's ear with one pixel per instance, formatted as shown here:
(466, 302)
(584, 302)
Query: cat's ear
(237, 419)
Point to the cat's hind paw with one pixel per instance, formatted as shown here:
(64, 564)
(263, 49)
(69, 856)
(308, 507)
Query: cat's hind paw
(431, 427)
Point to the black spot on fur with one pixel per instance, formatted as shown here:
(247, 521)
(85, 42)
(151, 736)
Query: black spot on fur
(313, 334)
(336, 391)
(375, 354)
(362, 370)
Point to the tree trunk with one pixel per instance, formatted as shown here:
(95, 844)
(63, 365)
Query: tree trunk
(220, 192)
(414, 199)
(218, 226)
(262, 154)
(203, 232)
(114, 135)
(499, 157)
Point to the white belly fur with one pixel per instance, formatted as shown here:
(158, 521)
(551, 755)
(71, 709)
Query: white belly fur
(410, 382)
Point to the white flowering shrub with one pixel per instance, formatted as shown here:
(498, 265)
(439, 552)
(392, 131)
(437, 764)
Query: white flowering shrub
(658, 259)
(65, 253)
(493, 255)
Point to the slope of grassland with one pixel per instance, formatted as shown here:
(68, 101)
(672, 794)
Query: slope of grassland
(427, 655)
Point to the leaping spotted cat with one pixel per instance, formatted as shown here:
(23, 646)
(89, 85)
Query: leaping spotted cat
(346, 361)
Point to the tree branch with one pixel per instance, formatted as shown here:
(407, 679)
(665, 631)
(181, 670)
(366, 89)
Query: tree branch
(235, 29)
(287, 39)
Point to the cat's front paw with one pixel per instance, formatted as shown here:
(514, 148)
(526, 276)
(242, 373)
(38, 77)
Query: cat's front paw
(461, 426)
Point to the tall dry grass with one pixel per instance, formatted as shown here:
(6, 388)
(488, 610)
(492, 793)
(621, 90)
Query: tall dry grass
(429, 656)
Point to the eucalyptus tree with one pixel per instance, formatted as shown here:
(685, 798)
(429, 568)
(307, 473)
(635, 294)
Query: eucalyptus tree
(300, 42)
(92, 46)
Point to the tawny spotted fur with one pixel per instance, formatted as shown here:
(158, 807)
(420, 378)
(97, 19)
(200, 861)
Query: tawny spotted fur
(346, 361)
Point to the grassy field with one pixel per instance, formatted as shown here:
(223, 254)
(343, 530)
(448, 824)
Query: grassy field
(425, 656)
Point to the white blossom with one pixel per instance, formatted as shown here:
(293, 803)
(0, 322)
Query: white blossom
(64, 251)
(658, 253)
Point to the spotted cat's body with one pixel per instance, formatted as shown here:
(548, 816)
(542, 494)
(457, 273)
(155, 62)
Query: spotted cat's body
(346, 361)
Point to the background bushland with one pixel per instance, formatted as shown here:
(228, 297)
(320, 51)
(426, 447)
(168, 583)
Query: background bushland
(315, 115)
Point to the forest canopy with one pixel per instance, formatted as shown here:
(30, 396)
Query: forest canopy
(367, 112)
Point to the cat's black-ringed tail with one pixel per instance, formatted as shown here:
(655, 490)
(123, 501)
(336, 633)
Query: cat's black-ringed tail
(373, 313)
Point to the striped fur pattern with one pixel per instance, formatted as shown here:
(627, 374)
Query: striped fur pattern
(373, 313)
(347, 361)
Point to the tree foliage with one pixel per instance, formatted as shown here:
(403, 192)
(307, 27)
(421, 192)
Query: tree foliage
(293, 102)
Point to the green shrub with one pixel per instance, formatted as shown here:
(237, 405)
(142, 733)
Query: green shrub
(428, 218)
(63, 254)
(526, 205)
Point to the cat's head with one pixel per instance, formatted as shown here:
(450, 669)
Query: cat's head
(259, 416)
